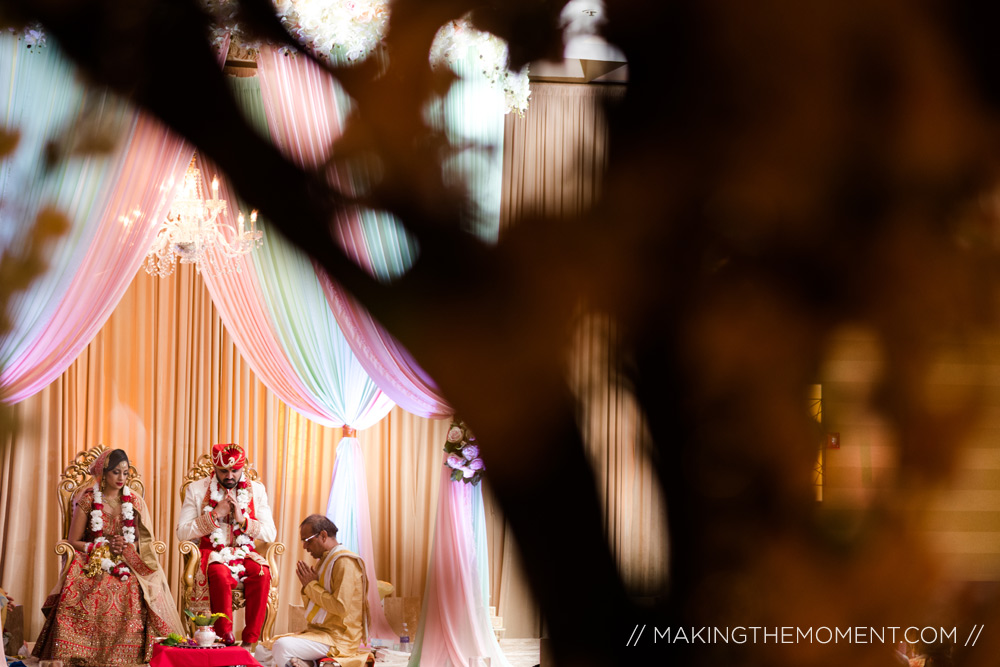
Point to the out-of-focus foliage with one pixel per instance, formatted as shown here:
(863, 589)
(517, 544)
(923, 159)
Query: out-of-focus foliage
(20, 266)
(777, 170)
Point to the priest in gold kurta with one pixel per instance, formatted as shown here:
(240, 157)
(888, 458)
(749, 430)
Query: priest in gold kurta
(335, 594)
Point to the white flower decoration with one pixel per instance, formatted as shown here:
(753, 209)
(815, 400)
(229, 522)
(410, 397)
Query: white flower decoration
(233, 556)
(452, 43)
(216, 491)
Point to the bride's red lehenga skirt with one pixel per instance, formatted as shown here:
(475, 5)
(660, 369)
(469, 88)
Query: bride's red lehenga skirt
(99, 621)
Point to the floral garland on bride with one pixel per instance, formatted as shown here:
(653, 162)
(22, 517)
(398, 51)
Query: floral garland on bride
(100, 558)
(231, 556)
(463, 454)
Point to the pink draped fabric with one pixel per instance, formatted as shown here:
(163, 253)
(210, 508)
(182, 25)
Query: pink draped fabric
(154, 162)
(387, 362)
(241, 310)
(154, 156)
(456, 623)
(301, 106)
(300, 102)
(239, 298)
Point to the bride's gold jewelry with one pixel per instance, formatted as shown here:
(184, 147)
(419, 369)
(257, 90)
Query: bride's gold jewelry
(93, 566)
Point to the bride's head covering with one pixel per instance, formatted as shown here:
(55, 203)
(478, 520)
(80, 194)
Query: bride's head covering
(108, 459)
(100, 463)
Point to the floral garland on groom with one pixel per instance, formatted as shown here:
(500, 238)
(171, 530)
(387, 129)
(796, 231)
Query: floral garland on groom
(231, 456)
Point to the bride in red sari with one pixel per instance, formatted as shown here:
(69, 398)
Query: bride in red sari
(114, 598)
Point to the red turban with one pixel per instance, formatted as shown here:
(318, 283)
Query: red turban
(228, 456)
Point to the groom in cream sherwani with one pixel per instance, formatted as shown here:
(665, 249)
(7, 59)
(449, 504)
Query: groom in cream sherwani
(224, 514)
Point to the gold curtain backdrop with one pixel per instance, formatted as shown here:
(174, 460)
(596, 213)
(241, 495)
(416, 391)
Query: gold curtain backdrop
(163, 380)
(554, 159)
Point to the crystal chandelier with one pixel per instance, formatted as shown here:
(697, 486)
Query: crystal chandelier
(193, 234)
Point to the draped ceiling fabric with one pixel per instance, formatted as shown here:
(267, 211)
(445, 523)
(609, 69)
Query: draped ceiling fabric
(281, 322)
(279, 318)
(113, 204)
(301, 102)
(304, 111)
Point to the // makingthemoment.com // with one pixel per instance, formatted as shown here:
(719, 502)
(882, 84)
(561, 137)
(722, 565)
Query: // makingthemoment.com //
(892, 634)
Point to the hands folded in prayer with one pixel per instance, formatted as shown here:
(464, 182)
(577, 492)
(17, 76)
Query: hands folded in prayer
(305, 573)
(226, 506)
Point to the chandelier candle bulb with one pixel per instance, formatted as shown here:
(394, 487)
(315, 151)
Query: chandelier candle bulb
(193, 233)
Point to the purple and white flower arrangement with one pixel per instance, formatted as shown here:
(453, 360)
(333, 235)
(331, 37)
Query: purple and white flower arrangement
(463, 454)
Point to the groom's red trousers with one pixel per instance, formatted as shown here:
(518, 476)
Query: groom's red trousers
(256, 588)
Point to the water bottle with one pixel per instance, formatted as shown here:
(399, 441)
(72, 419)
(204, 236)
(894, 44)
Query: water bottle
(404, 640)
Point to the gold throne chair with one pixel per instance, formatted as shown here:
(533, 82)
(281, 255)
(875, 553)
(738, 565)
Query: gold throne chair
(193, 584)
(71, 482)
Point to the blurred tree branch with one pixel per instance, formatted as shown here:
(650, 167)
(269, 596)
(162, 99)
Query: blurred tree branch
(776, 170)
